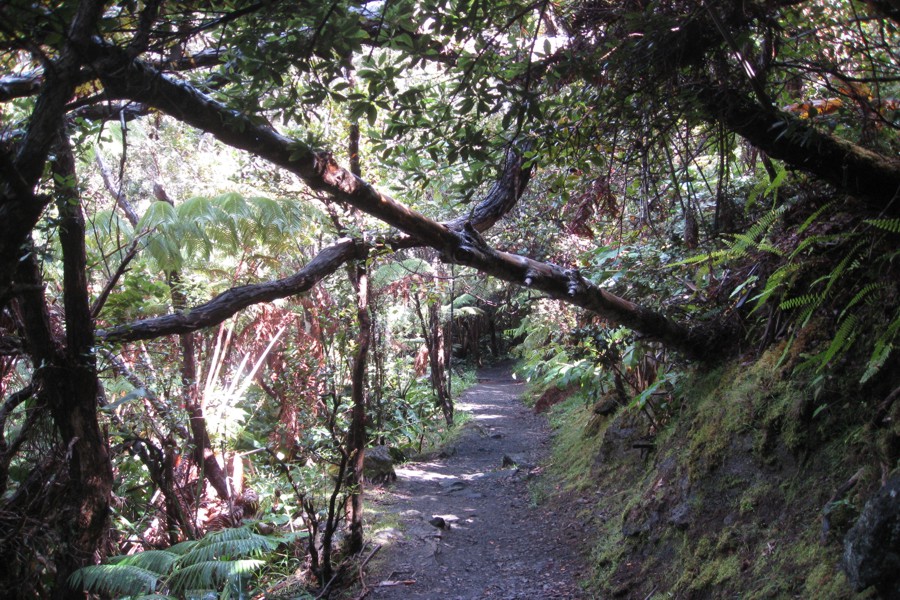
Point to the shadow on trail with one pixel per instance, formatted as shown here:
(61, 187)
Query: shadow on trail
(466, 527)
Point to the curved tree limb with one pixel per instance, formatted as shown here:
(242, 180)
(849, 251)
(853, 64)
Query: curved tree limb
(867, 175)
(231, 301)
(129, 79)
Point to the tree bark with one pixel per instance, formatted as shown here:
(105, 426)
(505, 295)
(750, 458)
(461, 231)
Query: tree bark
(867, 175)
(231, 301)
(130, 79)
(72, 390)
(20, 208)
(356, 436)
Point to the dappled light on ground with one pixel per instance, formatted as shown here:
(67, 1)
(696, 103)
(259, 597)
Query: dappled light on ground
(468, 527)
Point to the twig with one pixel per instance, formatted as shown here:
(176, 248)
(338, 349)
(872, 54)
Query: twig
(327, 585)
(362, 580)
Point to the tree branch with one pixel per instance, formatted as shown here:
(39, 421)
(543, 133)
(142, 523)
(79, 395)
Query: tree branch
(867, 175)
(133, 80)
(231, 301)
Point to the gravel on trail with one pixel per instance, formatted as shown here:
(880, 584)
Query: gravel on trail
(466, 524)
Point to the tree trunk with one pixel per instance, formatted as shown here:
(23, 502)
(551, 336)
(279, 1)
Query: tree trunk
(357, 433)
(71, 388)
(356, 436)
(204, 455)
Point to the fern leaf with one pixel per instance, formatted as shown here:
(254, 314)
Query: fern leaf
(227, 549)
(157, 561)
(798, 301)
(395, 271)
(210, 574)
(115, 580)
(158, 213)
(860, 296)
(815, 216)
(890, 225)
(197, 210)
(843, 339)
(883, 348)
(465, 300)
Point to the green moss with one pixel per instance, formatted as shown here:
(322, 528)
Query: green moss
(573, 453)
(716, 572)
(741, 399)
(707, 564)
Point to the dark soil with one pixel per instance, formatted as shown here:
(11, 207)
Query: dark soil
(496, 541)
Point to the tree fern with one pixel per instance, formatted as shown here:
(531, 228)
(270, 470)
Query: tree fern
(157, 561)
(210, 574)
(207, 563)
(115, 580)
(397, 270)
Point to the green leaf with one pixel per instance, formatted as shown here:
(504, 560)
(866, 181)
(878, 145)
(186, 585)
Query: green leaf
(115, 580)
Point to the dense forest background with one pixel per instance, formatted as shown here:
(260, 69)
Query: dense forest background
(243, 242)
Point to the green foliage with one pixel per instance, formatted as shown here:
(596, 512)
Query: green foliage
(219, 560)
(226, 225)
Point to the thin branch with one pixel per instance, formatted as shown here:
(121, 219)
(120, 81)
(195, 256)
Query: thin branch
(130, 254)
(231, 301)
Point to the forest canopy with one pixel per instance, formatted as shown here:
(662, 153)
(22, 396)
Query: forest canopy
(234, 229)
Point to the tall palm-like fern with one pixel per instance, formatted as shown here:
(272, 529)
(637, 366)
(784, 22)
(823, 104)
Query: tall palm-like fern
(210, 563)
(228, 224)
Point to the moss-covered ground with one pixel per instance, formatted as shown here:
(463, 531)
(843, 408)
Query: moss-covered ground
(738, 495)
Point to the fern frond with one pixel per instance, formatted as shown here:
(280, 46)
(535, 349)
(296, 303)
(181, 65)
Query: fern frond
(860, 296)
(395, 271)
(715, 257)
(774, 283)
(890, 225)
(197, 210)
(158, 213)
(843, 339)
(234, 205)
(157, 561)
(798, 301)
(227, 549)
(210, 574)
(816, 240)
(882, 349)
(115, 580)
(465, 300)
(815, 216)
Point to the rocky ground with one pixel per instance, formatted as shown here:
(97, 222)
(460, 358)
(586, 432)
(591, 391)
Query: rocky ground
(465, 524)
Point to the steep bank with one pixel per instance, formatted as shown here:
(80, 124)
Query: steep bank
(744, 485)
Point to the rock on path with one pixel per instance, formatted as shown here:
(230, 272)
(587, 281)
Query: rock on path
(495, 543)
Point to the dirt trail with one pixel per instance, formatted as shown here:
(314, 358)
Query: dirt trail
(498, 544)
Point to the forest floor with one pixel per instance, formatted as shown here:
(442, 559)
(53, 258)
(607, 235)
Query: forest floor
(498, 541)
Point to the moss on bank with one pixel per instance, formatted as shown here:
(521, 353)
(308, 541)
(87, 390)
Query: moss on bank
(737, 495)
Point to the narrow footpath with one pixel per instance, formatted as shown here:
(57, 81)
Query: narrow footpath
(465, 525)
